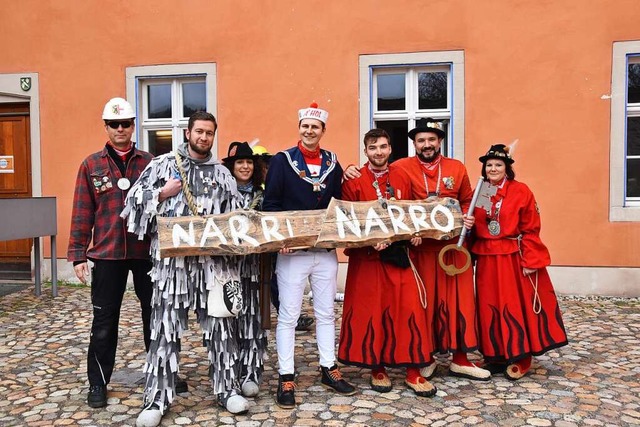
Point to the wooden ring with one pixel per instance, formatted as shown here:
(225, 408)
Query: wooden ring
(452, 270)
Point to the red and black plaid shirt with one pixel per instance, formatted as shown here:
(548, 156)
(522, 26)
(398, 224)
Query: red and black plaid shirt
(97, 203)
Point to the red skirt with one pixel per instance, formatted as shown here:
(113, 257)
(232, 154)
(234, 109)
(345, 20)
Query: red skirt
(383, 321)
(451, 310)
(510, 329)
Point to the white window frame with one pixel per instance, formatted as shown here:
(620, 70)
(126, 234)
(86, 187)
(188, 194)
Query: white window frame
(632, 110)
(450, 61)
(620, 207)
(140, 77)
(177, 123)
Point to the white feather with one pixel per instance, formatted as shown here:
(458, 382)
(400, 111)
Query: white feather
(512, 147)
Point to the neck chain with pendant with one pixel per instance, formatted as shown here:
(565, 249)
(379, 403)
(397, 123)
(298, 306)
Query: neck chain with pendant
(426, 184)
(389, 190)
(493, 221)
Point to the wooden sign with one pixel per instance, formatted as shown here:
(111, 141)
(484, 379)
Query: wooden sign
(342, 224)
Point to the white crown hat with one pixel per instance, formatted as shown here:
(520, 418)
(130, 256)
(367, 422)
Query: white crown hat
(313, 112)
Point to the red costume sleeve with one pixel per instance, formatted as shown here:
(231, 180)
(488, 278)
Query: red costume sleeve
(401, 182)
(410, 169)
(534, 253)
(465, 194)
(350, 190)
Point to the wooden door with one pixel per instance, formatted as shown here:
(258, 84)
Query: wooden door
(15, 182)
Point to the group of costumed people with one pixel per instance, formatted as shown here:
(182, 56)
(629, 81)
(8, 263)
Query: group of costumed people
(191, 182)
(401, 308)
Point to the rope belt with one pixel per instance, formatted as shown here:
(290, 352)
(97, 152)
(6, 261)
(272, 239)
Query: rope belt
(537, 303)
(422, 290)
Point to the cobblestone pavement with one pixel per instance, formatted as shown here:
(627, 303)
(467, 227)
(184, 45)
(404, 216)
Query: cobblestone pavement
(43, 341)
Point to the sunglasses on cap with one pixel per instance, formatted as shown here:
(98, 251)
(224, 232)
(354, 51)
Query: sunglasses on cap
(116, 125)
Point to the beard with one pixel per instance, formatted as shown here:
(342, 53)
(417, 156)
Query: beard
(197, 149)
(428, 159)
(379, 163)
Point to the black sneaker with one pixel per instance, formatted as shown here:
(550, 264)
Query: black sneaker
(97, 397)
(285, 398)
(304, 323)
(181, 385)
(331, 377)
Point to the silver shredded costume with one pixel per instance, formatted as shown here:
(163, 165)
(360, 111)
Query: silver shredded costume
(182, 284)
(252, 338)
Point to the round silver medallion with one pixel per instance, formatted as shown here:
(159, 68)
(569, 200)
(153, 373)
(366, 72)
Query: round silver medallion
(494, 228)
(124, 184)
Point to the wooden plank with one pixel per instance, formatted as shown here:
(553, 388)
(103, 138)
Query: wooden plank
(357, 224)
(239, 232)
(342, 224)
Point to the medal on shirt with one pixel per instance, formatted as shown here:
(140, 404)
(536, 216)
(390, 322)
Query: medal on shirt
(494, 227)
(391, 192)
(494, 224)
(316, 185)
(381, 200)
(124, 184)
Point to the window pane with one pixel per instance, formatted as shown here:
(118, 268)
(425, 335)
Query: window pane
(633, 95)
(159, 101)
(432, 90)
(194, 98)
(391, 91)
(397, 130)
(633, 136)
(160, 141)
(633, 177)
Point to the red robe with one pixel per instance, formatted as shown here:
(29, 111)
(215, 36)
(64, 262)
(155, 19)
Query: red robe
(451, 300)
(509, 327)
(383, 319)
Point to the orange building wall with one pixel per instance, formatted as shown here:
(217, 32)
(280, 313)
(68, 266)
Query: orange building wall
(534, 71)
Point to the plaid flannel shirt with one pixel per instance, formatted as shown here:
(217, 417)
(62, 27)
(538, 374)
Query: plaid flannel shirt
(97, 203)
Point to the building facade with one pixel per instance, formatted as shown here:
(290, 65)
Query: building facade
(561, 78)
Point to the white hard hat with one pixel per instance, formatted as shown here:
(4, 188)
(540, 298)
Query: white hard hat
(118, 108)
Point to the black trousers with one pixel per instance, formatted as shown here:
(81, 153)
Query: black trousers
(108, 283)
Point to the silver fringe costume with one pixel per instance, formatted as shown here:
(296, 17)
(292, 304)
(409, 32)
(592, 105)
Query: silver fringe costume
(182, 284)
(252, 339)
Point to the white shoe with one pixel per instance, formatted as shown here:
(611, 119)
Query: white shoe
(469, 372)
(237, 404)
(429, 371)
(149, 417)
(250, 389)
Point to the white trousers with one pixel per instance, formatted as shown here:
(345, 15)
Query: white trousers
(320, 267)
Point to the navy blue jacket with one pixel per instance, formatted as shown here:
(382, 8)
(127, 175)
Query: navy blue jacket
(288, 186)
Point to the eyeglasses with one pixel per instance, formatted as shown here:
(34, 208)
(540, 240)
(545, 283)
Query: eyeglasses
(116, 125)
